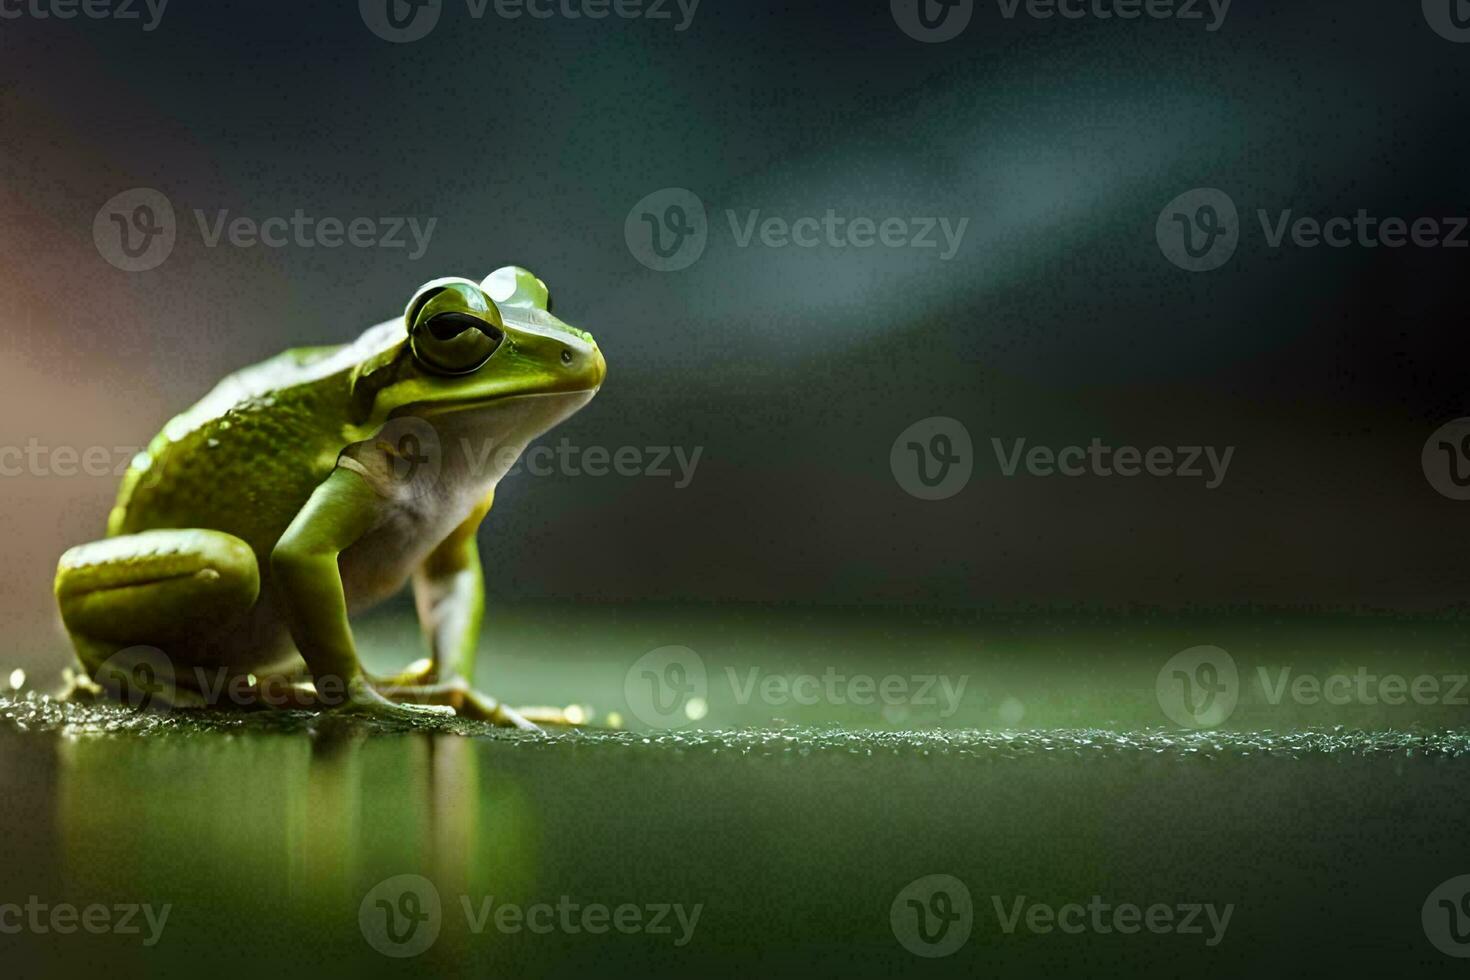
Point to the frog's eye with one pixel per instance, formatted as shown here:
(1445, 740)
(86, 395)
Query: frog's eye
(453, 327)
(453, 343)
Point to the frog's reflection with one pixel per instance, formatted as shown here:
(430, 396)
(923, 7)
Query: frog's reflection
(275, 821)
(336, 835)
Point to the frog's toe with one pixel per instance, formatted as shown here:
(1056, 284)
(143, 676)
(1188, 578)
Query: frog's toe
(463, 700)
(364, 699)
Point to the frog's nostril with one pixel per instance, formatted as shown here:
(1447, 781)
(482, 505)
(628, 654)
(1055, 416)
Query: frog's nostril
(566, 356)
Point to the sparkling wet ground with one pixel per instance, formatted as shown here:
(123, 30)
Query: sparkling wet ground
(792, 828)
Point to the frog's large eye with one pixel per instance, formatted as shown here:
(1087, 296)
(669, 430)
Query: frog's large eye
(453, 328)
(454, 343)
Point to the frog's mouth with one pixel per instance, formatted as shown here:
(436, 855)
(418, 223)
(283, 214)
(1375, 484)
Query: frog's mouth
(512, 402)
(511, 420)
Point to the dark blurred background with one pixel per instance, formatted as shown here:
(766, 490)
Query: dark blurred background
(793, 370)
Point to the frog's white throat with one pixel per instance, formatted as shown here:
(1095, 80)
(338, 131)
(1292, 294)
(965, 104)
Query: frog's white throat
(480, 444)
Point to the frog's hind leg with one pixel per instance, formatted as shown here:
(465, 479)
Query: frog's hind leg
(138, 606)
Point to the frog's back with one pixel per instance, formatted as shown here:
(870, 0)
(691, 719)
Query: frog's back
(246, 457)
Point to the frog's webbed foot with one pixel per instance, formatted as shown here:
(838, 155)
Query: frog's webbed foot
(458, 696)
(363, 698)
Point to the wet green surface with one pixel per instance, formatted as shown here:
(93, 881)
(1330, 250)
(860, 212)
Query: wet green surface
(792, 829)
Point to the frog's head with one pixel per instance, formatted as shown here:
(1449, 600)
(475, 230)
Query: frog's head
(484, 360)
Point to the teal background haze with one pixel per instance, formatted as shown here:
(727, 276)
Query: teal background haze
(1053, 610)
(793, 370)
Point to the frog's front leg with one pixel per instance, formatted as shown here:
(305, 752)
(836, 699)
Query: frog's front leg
(309, 582)
(449, 592)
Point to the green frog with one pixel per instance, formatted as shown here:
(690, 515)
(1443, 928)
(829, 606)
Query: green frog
(314, 485)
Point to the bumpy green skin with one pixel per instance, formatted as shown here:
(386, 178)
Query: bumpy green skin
(258, 519)
(246, 470)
